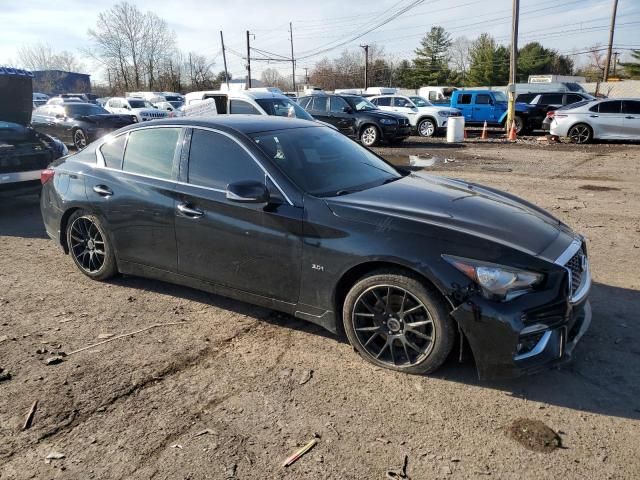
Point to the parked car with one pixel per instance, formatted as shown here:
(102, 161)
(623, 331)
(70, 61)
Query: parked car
(426, 119)
(62, 100)
(39, 99)
(248, 102)
(608, 119)
(293, 216)
(136, 106)
(437, 95)
(168, 106)
(78, 124)
(24, 152)
(357, 117)
(479, 106)
(543, 103)
(85, 97)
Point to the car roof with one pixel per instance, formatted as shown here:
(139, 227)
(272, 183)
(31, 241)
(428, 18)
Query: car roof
(246, 124)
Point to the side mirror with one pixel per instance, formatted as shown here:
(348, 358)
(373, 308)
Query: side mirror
(347, 110)
(247, 192)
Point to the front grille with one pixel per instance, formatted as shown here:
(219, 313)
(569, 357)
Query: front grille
(575, 266)
(403, 121)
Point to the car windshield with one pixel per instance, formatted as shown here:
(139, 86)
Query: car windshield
(176, 103)
(283, 107)
(360, 104)
(140, 104)
(420, 102)
(500, 97)
(323, 162)
(83, 109)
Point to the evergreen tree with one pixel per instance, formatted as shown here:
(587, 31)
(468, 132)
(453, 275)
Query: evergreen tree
(431, 64)
(489, 62)
(632, 69)
(534, 59)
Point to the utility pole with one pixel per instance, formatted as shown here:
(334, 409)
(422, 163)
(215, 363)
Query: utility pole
(615, 62)
(611, 30)
(224, 58)
(248, 62)
(513, 66)
(306, 75)
(366, 65)
(293, 60)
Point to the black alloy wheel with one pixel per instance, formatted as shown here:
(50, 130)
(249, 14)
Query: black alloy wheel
(89, 246)
(580, 133)
(394, 321)
(79, 139)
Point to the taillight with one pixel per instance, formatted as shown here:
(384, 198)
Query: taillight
(46, 175)
(551, 113)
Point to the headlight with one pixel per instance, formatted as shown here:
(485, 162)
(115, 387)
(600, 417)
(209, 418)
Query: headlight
(388, 121)
(497, 282)
(444, 113)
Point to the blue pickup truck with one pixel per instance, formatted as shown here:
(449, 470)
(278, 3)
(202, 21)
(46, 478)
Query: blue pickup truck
(478, 106)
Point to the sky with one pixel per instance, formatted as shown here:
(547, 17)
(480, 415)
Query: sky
(566, 25)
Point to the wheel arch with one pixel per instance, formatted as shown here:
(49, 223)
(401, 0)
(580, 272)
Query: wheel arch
(63, 227)
(356, 272)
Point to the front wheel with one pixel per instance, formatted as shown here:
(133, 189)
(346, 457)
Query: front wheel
(79, 139)
(395, 322)
(369, 136)
(580, 133)
(89, 246)
(427, 128)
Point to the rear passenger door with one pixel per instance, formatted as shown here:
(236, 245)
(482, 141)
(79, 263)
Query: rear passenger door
(255, 248)
(341, 119)
(319, 108)
(631, 121)
(133, 188)
(608, 121)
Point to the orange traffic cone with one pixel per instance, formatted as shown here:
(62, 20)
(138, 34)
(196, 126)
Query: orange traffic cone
(484, 135)
(512, 132)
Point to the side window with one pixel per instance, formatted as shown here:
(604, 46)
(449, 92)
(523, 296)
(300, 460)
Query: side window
(215, 161)
(304, 102)
(464, 99)
(242, 107)
(338, 105)
(611, 107)
(433, 96)
(150, 151)
(319, 104)
(631, 106)
(573, 98)
(384, 102)
(113, 150)
(483, 99)
(551, 99)
(401, 102)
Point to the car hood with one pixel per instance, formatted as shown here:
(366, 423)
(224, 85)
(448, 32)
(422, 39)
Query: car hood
(383, 114)
(148, 111)
(106, 118)
(16, 96)
(473, 209)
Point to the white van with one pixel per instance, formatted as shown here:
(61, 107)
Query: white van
(252, 102)
(381, 91)
(437, 94)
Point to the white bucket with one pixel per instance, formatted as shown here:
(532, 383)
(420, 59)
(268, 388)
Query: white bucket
(455, 129)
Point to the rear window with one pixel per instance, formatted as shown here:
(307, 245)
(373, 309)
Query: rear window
(150, 152)
(113, 150)
(551, 99)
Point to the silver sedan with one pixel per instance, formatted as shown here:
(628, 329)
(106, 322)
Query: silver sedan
(606, 119)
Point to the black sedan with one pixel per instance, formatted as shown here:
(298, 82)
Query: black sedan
(76, 123)
(294, 216)
(357, 117)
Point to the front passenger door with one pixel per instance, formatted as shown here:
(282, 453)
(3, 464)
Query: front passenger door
(251, 247)
(631, 121)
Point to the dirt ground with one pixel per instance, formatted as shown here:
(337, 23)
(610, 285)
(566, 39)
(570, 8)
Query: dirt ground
(220, 389)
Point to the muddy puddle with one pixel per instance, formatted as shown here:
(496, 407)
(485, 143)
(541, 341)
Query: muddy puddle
(534, 435)
(417, 162)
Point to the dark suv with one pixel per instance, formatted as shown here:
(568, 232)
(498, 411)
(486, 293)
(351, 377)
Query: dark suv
(544, 102)
(357, 117)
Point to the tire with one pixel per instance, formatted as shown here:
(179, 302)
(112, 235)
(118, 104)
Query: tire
(580, 133)
(369, 136)
(384, 332)
(80, 140)
(90, 246)
(427, 127)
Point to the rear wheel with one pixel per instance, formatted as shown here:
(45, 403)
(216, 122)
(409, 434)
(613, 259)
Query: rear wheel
(580, 133)
(426, 128)
(89, 246)
(79, 139)
(395, 322)
(369, 136)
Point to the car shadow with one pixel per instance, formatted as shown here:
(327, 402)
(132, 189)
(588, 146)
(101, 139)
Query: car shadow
(20, 217)
(603, 378)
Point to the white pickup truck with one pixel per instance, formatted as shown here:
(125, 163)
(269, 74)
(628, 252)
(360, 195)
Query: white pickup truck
(425, 118)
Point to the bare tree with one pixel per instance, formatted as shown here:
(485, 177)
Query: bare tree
(271, 76)
(460, 57)
(42, 57)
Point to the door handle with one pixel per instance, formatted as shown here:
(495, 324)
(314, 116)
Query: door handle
(593, 116)
(103, 191)
(629, 118)
(187, 211)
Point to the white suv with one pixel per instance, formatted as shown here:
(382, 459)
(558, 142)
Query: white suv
(425, 118)
(137, 106)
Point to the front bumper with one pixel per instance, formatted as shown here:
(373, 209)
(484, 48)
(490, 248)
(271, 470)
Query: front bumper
(529, 333)
(396, 131)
